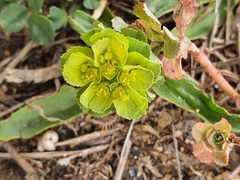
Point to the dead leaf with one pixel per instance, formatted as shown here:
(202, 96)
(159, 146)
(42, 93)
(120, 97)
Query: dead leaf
(172, 68)
(183, 13)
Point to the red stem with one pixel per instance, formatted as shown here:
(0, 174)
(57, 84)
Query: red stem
(216, 75)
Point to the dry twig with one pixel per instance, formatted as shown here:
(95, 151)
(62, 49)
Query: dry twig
(124, 154)
(20, 160)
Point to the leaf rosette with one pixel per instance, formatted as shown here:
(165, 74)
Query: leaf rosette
(112, 72)
(212, 142)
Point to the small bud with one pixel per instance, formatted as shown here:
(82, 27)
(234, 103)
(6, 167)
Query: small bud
(84, 67)
(108, 71)
(119, 93)
(125, 79)
(101, 59)
(108, 55)
(91, 74)
(102, 90)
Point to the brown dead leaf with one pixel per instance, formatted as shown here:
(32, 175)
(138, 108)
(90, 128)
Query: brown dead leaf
(164, 119)
(183, 13)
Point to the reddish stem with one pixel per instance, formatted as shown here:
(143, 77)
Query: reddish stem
(216, 75)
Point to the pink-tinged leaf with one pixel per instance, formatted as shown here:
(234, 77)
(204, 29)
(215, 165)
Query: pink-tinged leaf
(172, 68)
(199, 131)
(220, 158)
(201, 153)
(183, 13)
(223, 125)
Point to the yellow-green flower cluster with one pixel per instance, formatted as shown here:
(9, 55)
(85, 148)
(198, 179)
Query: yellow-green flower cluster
(112, 72)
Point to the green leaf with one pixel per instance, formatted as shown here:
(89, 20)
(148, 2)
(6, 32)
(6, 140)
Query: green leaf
(143, 79)
(41, 29)
(170, 46)
(106, 17)
(82, 22)
(26, 123)
(86, 36)
(185, 95)
(56, 15)
(110, 33)
(13, 17)
(76, 68)
(133, 107)
(85, 50)
(97, 97)
(114, 45)
(159, 8)
(139, 46)
(6, 2)
(88, 110)
(135, 59)
(142, 12)
(35, 5)
(91, 4)
(134, 33)
(73, 8)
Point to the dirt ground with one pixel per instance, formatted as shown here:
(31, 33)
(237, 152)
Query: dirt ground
(157, 146)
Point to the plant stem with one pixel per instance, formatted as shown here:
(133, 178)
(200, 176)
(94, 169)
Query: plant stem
(216, 75)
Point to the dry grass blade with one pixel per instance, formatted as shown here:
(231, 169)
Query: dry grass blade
(88, 137)
(32, 174)
(18, 58)
(98, 11)
(52, 154)
(124, 154)
(176, 153)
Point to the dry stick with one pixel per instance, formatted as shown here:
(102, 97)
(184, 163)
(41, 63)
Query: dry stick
(98, 11)
(176, 153)
(216, 75)
(18, 58)
(227, 33)
(88, 137)
(84, 153)
(124, 154)
(20, 160)
(53, 154)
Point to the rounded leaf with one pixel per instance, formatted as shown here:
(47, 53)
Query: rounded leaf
(13, 17)
(77, 70)
(85, 50)
(35, 5)
(56, 15)
(130, 104)
(91, 4)
(41, 29)
(97, 97)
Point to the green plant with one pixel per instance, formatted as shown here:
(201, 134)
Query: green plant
(14, 16)
(118, 67)
(170, 84)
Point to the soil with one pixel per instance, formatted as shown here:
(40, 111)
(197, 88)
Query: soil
(103, 145)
